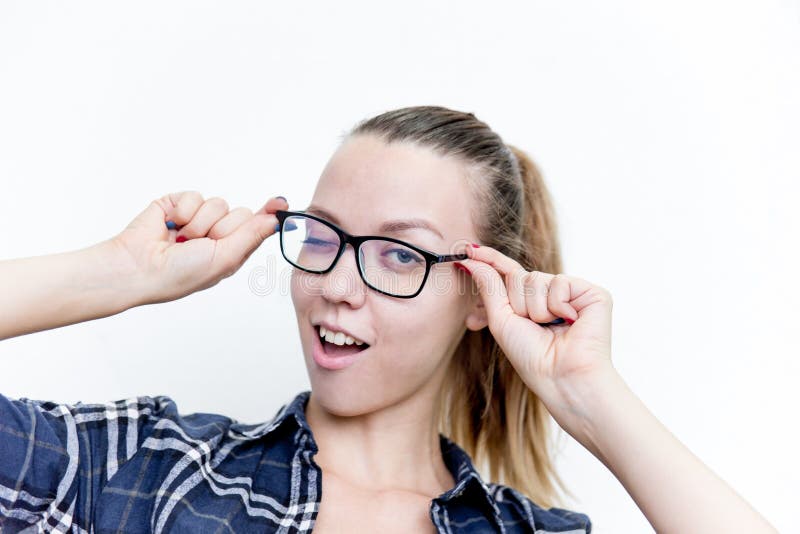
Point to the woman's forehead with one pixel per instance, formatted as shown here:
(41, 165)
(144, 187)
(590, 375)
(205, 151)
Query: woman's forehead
(389, 227)
(368, 161)
(391, 183)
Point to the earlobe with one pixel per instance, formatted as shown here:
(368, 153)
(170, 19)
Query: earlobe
(477, 318)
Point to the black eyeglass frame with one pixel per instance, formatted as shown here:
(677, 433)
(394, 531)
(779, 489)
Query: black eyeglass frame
(356, 241)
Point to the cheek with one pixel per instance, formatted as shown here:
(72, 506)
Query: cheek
(421, 336)
(293, 288)
(300, 288)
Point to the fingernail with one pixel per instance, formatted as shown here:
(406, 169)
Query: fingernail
(277, 227)
(171, 225)
(284, 199)
(180, 239)
(462, 267)
(570, 321)
(474, 245)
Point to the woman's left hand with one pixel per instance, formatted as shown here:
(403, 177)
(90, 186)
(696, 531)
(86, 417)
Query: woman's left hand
(552, 359)
(568, 366)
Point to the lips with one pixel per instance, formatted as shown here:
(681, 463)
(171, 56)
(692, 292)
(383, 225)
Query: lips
(333, 357)
(335, 328)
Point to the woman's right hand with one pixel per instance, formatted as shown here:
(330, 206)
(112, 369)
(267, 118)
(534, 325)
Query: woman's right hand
(209, 243)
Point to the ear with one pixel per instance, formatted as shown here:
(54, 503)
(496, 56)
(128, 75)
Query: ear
(477, 318)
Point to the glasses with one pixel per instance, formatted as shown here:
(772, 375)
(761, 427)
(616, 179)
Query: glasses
(387, 265)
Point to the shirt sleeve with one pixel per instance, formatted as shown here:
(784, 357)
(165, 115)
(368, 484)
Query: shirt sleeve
(56, 458)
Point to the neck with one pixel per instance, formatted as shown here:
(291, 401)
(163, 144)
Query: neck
(393, 448)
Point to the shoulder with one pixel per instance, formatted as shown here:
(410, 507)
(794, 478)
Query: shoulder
(517, 509)
(144, 413)
(96, 413)
(54, 455)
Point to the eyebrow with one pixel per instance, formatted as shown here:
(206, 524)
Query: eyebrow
(393, 226)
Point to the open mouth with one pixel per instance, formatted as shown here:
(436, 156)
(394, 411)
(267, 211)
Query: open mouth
(332, 349)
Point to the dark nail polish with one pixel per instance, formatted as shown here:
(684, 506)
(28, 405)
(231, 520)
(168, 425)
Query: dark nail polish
(171, 225)
(284, 199)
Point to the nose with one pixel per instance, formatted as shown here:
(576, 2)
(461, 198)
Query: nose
(343, 283)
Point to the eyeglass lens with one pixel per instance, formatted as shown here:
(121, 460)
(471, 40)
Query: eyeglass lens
(386, 265)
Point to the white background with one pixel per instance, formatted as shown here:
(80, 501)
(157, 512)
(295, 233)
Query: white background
(668, 134)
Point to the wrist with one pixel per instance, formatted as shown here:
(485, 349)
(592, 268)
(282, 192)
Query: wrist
(581, 405)
(115, 279)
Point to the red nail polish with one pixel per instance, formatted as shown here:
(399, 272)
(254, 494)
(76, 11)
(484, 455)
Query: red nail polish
(570, 321)
(462, 267)
(474, 245)
(180, 239)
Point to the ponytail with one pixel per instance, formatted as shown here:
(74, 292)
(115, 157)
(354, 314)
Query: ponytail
(491, 412)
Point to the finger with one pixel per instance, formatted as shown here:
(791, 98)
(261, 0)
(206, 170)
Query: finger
(181, 207)
(273, 204)
(152, 218)
(589, 302)
(230, 222)
(492, 290)
(512, 271)
(560, 296)
(234, 249)
(515, 284)
(166, 208)
(207, 215)
(504, 264)
(537, 287)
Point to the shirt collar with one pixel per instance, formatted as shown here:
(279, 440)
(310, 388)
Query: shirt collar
(466, 476)
(455, 458)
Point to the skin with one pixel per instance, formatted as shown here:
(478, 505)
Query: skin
(384, 401)
(374, 421)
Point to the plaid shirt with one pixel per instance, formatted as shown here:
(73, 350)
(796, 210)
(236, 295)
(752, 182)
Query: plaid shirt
(136, 465)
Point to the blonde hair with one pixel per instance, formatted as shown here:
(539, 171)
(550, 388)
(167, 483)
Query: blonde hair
(484, 405)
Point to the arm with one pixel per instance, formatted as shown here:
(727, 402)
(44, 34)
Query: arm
(569, 368)
(146, 263)
(44, 292)
(656, 469)
(57, 458)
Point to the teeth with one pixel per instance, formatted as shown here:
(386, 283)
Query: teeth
(339, 338)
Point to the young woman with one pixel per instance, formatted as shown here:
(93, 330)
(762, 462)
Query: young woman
(437, 329)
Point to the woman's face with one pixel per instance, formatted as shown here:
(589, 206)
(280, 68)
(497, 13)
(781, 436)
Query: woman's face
(366, 183)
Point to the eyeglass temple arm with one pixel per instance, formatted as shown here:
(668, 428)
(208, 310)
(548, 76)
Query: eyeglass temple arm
(451, 257)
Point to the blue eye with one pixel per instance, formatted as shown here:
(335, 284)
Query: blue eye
(404, 256)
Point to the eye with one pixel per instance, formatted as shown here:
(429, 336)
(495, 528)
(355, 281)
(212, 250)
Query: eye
(317, 242)
(405, 256)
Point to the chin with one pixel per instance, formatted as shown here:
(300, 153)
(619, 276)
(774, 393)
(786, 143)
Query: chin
(338, 401)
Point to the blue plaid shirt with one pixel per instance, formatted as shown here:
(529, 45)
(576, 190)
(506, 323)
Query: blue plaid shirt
(136, 465)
